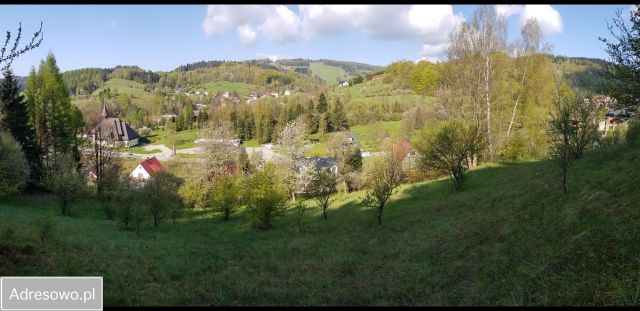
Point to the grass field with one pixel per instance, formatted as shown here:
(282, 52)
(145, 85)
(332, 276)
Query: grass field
(242, 88)
(184, 139)
(134, 89)
(330, 74)
(511, 238)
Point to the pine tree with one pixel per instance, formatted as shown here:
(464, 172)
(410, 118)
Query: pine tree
(322, 103)
(16, 121)
(338, 118)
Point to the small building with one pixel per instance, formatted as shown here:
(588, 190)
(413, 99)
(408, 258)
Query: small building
(146, 169)
(343, 83)
(114, 131)
(287, 93)
(614, 118)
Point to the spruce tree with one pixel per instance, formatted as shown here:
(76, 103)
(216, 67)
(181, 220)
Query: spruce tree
(16, 120)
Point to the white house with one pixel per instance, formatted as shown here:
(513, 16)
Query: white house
(145, 169)
(287, 93)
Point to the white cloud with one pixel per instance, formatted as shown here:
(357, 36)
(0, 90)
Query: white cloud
(428, 24)
(507, 10)
(548, 18)
(246, 34)
(271, 57)
(282, 25)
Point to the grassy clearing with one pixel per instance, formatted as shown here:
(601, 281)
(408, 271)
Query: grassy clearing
(251, 143)
(330, 74)
(511, 238)
(372, 135)
(184, 139)
(242, 88)
(134, 89)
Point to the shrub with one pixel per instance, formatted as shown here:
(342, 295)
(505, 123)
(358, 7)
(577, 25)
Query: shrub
(44, 228)
(14, 169)
(66, 183)
(266, 196)
(633, 131)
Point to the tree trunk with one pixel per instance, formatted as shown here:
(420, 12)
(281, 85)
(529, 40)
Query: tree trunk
(515, 106)
(488, 104)
(380, 208)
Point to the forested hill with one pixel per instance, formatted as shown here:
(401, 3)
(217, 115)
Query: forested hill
(583, 74)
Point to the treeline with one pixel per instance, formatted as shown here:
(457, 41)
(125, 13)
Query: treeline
(583, 74)
(85, 81)
(264, 119)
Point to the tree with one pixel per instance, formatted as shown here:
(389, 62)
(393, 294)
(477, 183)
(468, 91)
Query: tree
(584, 116)
(65, 182)
(449, 147)
(474, 66)
(160, 193)
(56, 121)
(291, 142)
(561, 130)
(322, 104)
(221, 149)
(321, 187)
(531, 38)
(105, 160)
(347, 151)
(338, 118)
(266, 196)
(383, 176)
(14, 52)
(14, 169)
(226, 196)
(623, 73)
(16, 122)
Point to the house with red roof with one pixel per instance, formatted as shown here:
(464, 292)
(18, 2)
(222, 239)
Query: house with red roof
(146, 169)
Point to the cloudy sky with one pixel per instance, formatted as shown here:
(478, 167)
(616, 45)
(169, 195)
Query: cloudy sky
(163, 37)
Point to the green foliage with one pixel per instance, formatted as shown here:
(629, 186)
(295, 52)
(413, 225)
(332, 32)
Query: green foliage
(160, 195)
(383, 175)
(45, 228)
(14, 117)
(449, 146)
(633, 131)
(65, 182)
(321, 187)
(424, 78)
(562, 130)
(226, 196)
(14, 168)
(55, 120)
(266, 196)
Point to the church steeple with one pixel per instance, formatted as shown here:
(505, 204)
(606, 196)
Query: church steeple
(105, 114)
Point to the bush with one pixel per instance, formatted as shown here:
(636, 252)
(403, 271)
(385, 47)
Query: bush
(266, 196)
(66, 183)
(633, 131)
(614, 137)
(44, 228)
(14, 169)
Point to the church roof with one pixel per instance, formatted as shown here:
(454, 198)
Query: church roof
(115, 129)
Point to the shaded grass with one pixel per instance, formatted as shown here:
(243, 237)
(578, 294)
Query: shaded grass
(488, 245)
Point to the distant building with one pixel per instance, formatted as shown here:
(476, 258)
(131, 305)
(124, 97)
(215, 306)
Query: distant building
(114, 131)
(343, 83)
(146, 169)
(287, 93)
(615, 118)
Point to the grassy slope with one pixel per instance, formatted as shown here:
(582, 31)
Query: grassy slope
(486, 245)
(329, 74)
(242, 88)
(134, 89)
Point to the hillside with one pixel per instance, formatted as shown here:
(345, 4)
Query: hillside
(511, 238)
(583, 74)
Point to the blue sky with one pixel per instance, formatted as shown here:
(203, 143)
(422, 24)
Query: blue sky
(162, 37)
